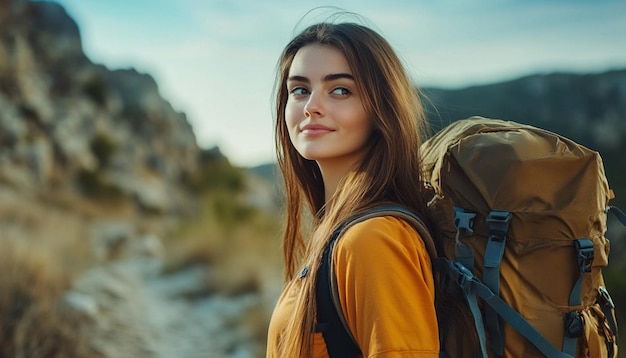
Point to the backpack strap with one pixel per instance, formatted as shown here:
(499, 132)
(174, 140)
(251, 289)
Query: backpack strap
(573, 320)
(463, 222)
(608, 308)
(617, 213)
(339, 340)
(474, 287)
(459, 273)
(498, 222)
(331, 322)
(604, 299)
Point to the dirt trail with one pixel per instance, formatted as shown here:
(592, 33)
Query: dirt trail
(135, 312)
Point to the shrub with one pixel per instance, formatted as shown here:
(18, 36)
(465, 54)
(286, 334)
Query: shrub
(103, 147)
(215, 173)
(33, 322)
(97, 90)
(94, 184)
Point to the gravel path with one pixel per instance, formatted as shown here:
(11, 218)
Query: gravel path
(137, 313)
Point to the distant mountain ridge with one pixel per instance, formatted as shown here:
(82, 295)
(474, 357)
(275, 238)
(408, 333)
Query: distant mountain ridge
(587, 108)
(567, 103)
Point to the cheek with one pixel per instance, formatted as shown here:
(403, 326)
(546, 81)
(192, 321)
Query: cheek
(363, 135)
(360, 126)
(293, 112)
(292, 118)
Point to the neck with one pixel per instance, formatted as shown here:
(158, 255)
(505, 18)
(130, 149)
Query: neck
(330, 185)
(334, 169)
(332, 173)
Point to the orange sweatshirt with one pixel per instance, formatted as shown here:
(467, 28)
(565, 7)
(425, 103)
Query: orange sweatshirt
(386, 290)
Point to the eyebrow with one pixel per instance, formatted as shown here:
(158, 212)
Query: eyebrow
(327, 78)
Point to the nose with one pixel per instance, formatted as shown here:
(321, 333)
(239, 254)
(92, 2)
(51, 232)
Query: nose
(313, 106)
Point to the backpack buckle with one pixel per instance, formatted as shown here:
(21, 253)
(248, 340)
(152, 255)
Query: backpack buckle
(464, 220)
(462, 275)
(604, 299)
(498, 224)
(584, 250)
(574, 324)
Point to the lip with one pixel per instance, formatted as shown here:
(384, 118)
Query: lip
(315, 130)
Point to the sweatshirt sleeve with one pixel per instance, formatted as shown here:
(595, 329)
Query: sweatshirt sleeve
(386, 288)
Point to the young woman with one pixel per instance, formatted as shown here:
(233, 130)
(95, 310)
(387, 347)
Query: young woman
(348, 129)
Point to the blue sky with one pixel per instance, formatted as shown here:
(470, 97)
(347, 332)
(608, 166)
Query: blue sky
(215, 59)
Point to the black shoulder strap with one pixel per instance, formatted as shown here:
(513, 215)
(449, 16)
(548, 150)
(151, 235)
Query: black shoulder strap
(331, 321)
(338, 339)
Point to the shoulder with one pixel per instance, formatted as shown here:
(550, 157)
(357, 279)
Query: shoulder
(383, 276)
(379, 235)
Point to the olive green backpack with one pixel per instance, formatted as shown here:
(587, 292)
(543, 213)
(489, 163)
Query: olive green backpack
(521, 214)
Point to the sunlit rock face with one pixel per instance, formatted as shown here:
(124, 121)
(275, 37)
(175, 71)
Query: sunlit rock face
(69, 123)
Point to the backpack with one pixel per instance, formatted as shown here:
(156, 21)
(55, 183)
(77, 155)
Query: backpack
(519, 217)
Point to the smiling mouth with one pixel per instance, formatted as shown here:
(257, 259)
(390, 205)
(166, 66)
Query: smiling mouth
(315, 131)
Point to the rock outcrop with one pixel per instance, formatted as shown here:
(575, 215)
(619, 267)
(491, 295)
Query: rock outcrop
(67, 123)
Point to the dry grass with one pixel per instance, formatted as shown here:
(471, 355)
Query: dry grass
(34, 323)
(55, 223)
(240, 245)
(44, 245)
(230, 237)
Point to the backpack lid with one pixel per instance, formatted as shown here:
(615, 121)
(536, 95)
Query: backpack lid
(486, 164)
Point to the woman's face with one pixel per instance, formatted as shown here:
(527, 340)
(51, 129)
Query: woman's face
(324, 113)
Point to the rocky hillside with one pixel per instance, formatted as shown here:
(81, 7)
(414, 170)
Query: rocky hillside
(68, 124)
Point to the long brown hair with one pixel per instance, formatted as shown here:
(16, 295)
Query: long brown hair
(390, 172)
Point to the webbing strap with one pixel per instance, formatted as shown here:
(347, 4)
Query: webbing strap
(498, 222)
(584, 255)
(464, 221)
(473, 286)
(617, 213)
(573, 323)
(606, 302)
(462, 275)
(608, 307)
